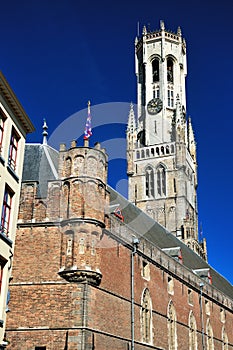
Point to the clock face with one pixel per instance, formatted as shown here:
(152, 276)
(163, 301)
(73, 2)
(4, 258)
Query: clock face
(154, 106)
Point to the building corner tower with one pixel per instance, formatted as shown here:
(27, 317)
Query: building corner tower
(161, 147)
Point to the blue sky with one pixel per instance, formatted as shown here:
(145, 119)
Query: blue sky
(57, 55)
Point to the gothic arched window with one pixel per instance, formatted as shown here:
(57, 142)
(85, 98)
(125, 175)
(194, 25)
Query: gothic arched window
(146, 317)
(155, 70)
(150, 191)
(68, 164)
(224, 339)
(161, 180)
(192, 332)
(172, 334)
(210, 337)
(169, 70)
(66, 199)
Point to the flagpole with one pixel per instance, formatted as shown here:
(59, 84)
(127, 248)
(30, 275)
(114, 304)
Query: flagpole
(87, 132)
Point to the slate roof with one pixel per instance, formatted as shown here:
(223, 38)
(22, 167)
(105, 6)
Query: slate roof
(40, 164)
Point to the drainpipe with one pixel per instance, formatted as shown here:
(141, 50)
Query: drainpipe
(202, 320)
(84, 315)
(135, 245)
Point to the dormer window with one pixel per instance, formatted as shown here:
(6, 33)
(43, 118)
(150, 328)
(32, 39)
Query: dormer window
(204, 274)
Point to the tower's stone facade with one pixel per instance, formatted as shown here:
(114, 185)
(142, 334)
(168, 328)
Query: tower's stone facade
(161, 148)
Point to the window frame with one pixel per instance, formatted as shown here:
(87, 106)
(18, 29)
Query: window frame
(170, 97)
(161, 181)
(13, 148)
(146, 317)
(2, 265)
(150, 182)
(6, 210)
(2, 128)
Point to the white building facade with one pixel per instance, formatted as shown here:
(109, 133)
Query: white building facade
(14, 125)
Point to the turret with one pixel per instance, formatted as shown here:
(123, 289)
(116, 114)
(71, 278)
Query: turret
(84, 197)
(131, 140)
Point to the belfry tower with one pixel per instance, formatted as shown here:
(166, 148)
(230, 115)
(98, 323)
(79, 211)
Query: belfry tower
(161, 148)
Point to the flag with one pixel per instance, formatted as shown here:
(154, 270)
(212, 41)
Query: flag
(87, 131)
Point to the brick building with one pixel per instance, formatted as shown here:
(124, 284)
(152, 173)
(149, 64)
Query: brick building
(93, 270)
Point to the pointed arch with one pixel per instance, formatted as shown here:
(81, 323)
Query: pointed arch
(192, 332)
(150, 186)
(210, 336)
(172, 331)
(66, 199)
(78, 164)
(68, 165)
(224, 339)
(146, 317)
(161, 180)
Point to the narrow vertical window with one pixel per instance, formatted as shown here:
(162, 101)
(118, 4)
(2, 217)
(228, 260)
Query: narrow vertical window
(156, 93)
(170, 97)
(93, 244)
(81, 246)
(222, 315)
(155, 127)
(207, 307)
(161, 180)
(192, 332)
(146, 317)
(2, 264)
(2, 122)
(69, 247)
(155, 70)
(135, 193)
(6, 210)
(68, 164)
(210, 336)
(149, 182)
(172, 333)
(170, 71)
(170, 285)
(224, 339)
(13, 149)
(174, 185)
(190, 296)
(145, 270)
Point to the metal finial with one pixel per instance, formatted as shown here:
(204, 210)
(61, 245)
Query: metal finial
(45, 133)
(89, 107)
(162, 26)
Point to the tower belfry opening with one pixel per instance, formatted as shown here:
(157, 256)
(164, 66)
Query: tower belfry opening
(161, 145)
